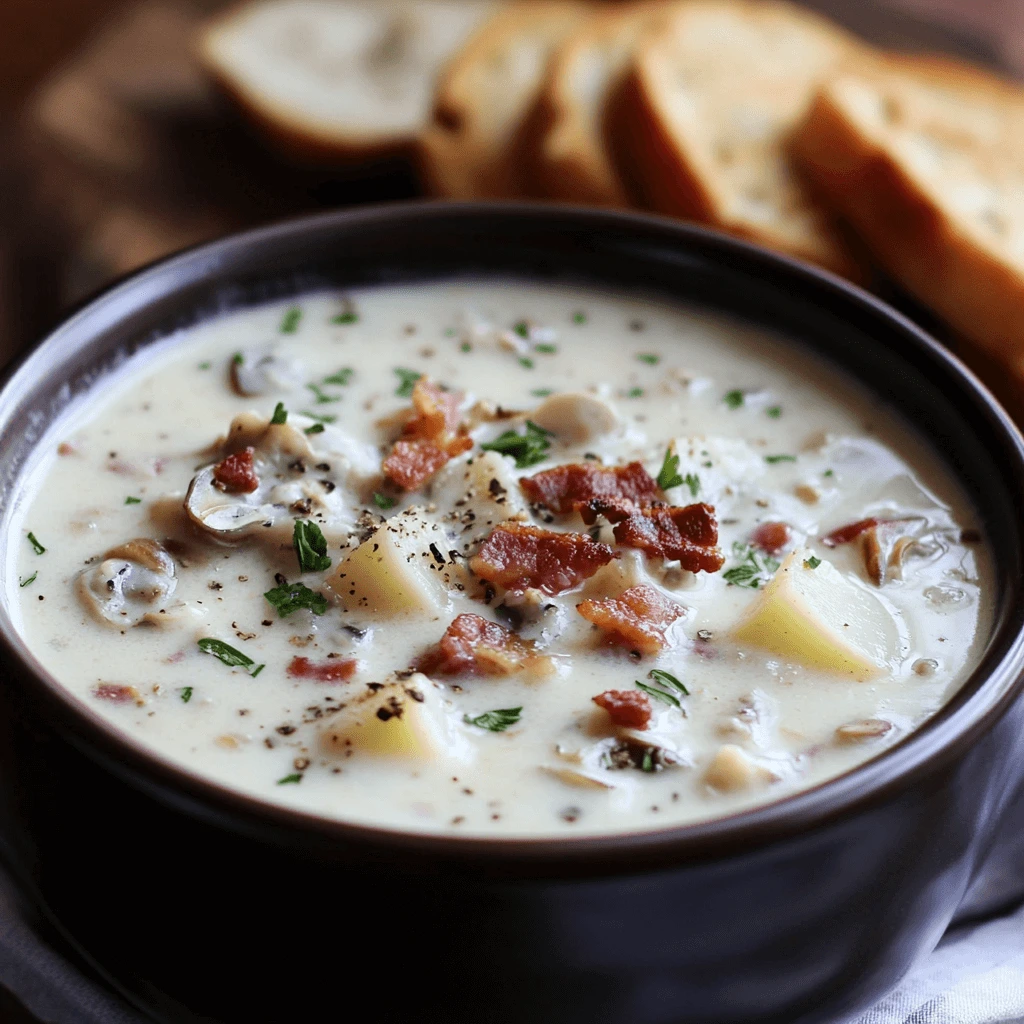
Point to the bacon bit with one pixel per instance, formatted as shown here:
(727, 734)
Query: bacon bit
(64, 448)
(429, 439)
(520, 557)
(237, 473)
(688, 535)
(339, 670)
(629, 708)
(564, 488)
(473, 644)
(637, 618)
(117, 693)
(770, 537)
(849, 532)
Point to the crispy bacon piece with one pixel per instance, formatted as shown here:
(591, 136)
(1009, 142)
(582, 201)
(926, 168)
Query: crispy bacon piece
(688, 535)
(629, 708)
(564, 488)
(849, 532)
(429, 439)
(335, 670)
(770, 537)
(473, 644)
(116, 693)
(520, 557)
(237, 473)
(637, 618)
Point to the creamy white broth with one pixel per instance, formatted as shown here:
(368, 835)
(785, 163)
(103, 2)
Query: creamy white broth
(737, 399)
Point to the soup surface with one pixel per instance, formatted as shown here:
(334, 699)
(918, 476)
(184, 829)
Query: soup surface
(500, 559)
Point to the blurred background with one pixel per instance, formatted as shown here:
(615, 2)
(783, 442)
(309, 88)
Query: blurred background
(115, 148)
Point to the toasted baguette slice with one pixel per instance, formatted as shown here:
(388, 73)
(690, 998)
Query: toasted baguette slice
(926, 161)
(338, 80)
(573, 159)
(706, 111)
(478, 142)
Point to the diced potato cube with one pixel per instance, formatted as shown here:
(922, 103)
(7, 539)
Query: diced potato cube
(732, 770)
(812, 614)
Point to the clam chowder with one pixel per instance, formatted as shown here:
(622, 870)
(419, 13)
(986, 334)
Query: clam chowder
(497, 559)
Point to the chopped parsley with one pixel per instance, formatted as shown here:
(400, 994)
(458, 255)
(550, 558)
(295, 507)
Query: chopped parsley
(290, 321)
(31, 579)
(579, 317)
(186, 694)
(733, 399)
(527, 449)
(132, 500)
(669, 476)
(635, 393)
(829, 472)
(382, 500)
(238, 359)
(775, 411)
(348, 317)
(310, 546)
(407, 380)
(317, 428)
(496, 721)
(754, 568)
(325, 418)
(649, 357)
(280, 414)
(693, 482)
(526, 362)
(774, 459)
(342, 377)
(667, 679)
(541, 392)
(205, 366)
(36, 546)
(465, 347)
(522, 328)
(547, 348)
(812, 563)
(289, 779)
(290, 597)
(322, 398)
(228, 655)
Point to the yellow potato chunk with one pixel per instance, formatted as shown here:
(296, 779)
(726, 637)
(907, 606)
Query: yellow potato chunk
(812, 614)
(402, 567)
(405, 719)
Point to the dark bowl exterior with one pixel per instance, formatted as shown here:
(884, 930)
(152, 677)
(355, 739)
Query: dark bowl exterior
(204, 905)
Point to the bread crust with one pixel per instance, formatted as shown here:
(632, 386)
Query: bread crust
(947, 262)
(676, 167)
(469, 150)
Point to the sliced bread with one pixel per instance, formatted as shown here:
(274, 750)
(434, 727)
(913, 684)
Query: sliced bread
(573, 159)
(704, 116)
(338, 80)
(926, 161)
(479, 141)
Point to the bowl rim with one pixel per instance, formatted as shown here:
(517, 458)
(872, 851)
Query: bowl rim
(947, 735)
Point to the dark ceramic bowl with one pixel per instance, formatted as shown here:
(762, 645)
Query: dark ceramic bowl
(209, 905)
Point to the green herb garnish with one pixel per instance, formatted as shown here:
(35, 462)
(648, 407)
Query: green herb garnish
(382, 500)
(205, 366)
(635, 393)
(528, 449)
(228, 655)
(290, 321)
(31, 579)
(280, 414)
(317, 428)
(522, 328)
(693, 482)
(775, 411)
(289, 779)
(659, 675)
(238, 359)
(465, 347)
(526, 362)
(322, 398)
(407, 381)
(812, 563)
(496, 721)
(310, 546)
(773, 459)
(132, 500)
(753, 569)
(669, 473)
(579, 318)
(342, 377)
(541, 392)
(733, 399)
(290, 597)
(662, 695)
(36, 546)
(829, 472)
(186, 694)
(647, 764)
(348, 317)
(649, 357)
(546, 347)
(325, 418)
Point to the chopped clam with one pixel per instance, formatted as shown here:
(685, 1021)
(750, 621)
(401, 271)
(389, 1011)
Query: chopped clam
(861, 732)
(575, 418)
(265, 373)
(131, 584)
(732, 769)
(885, 547)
